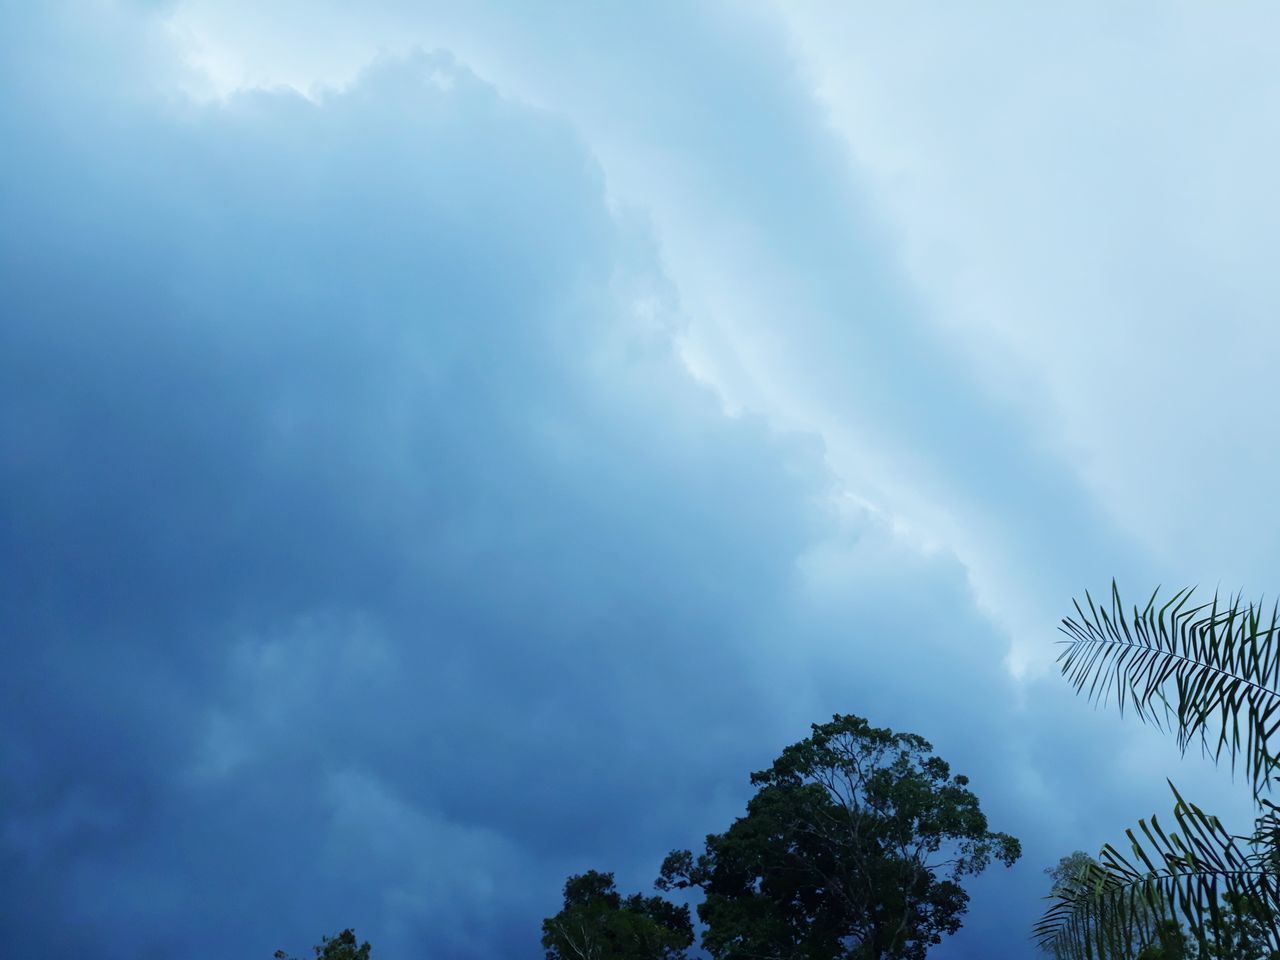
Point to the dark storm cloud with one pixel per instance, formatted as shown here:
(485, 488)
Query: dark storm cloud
(371, 557)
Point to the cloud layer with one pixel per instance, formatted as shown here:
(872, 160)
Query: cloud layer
(357, 494)
(463, 475)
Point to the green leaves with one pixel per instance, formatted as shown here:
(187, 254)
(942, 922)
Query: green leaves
(597, 923)
(853, 847)
(344, 946)
(1209, 672)
(1115, 906)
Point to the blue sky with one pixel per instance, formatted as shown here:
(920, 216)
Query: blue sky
(447, 447)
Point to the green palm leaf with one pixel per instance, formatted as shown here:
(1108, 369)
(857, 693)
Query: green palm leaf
(1115, 906)
(1209, 671)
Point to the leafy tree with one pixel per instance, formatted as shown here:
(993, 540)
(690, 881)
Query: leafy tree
(1068, 869)
(853, 848)
(1210, 674)
(341, 947)
(597, 923)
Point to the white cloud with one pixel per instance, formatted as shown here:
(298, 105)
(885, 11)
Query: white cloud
(1085, 194)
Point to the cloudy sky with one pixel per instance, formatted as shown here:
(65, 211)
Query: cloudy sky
(444, 447)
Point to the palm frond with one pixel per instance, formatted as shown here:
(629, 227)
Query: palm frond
(1117, 904)
(1208, 671)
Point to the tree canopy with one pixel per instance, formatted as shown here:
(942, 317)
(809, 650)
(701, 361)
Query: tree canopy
(853, 848)
(598, 923)
(342, 947)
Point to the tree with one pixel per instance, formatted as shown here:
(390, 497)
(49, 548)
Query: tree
(853, 848)
(341, 947)
(597, 923)
(1210, 674)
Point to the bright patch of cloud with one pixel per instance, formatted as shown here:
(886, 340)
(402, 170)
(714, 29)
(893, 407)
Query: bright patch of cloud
(1085, 195)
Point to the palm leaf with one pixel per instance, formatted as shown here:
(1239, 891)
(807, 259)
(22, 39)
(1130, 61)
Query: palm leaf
(1115, 906)
(1208, 671)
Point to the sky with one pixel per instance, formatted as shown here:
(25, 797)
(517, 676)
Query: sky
(447, 447)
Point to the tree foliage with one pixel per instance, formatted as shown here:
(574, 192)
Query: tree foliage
(854, 846)
(1243, 934)
(597, 923)
(342, 947)
(1210, 674)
